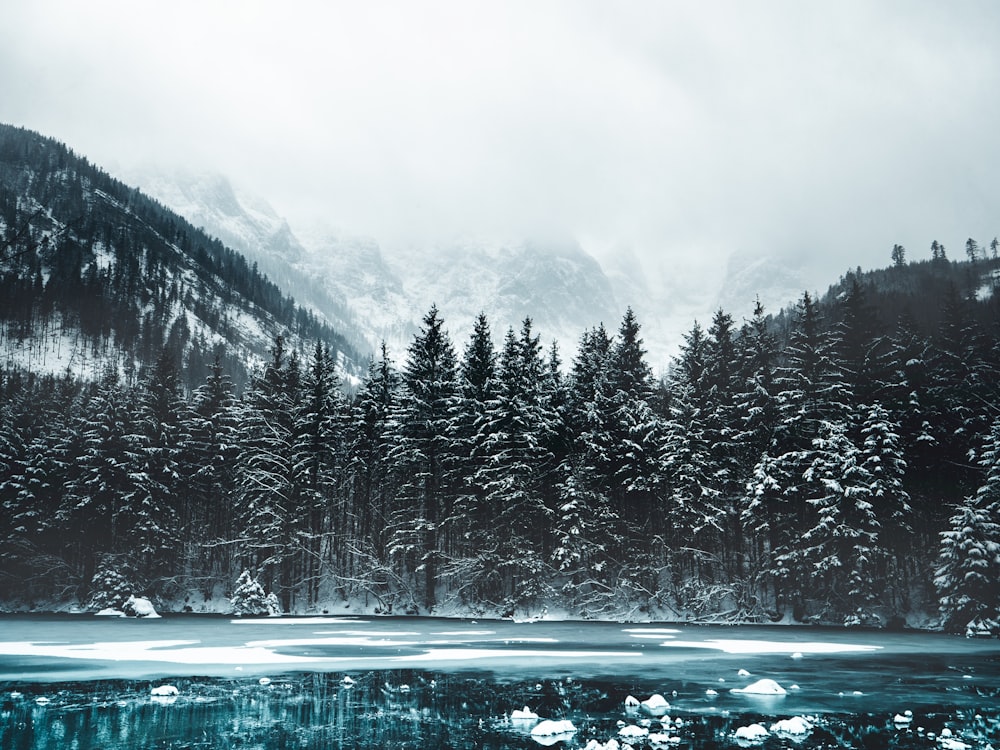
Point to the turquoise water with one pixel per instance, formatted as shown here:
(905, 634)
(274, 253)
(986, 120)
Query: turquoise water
(86, 682)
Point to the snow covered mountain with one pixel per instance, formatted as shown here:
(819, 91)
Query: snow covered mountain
(248, 224)
(96, 275)
(383, 292)
(380, 292)
(561, 288)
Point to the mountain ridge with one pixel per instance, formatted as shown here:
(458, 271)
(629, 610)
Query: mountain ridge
(97, 273)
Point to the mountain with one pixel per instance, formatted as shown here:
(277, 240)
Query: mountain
(384, 291)
(561, 288)
(380, 292)
(95, 273)
(248, 224)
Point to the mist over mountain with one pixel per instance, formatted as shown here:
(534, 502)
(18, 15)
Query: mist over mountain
(378, 291)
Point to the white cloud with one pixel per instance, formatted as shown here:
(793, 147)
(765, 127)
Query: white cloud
(675, 129)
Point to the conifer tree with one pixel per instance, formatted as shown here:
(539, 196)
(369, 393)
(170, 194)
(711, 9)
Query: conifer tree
(969, 560)
(158, 435)
(370, 476)
(423, 454)
(840, 545)
(211, 451)
(514, 462)
(98, 500)
(323, 521)
(265, 489)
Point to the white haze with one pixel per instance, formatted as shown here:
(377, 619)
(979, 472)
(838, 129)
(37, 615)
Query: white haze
(681, 132)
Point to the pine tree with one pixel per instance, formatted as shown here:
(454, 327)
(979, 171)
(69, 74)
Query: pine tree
(777, 508)
(511, 568)
(208, 513)
(158, 437)
(265, 489)
(370, 477)
(841, 545)
(478, 375)
(323, 520)
(960, 388)
(249, 598)
(99, 502)
(969, 561)
(860, 347)
(423, 453)
(898, 255)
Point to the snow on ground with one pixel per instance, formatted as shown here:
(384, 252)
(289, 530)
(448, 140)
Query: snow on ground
(752, 733)
(550, 728)
(651, 633)
(761, 687)
(796, 726)
(655, 705)
(523, 715)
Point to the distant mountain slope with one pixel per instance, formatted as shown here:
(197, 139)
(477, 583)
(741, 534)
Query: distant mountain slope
(94, 272)
(384, 291)
(381, 291)
(250, 226)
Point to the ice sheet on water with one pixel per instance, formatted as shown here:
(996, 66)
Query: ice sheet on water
(269, 621)
(753, 646)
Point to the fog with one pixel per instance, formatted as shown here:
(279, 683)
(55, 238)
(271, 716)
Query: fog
(681, 132)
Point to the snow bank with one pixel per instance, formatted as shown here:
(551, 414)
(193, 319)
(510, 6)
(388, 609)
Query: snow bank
(632, 732)
(761, 687)
(109, 613)
(796, 726)
(662, 740)
(655, 705)
(550, 728)
(139, 606)
(523, 714)
(752, 733)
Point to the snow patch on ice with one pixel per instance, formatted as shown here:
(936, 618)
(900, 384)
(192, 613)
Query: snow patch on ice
(752, 733)
(551, 728)
(797, 726)
(298, 621)
(750, 647)
(655, 705)
(523, 715)
(761, 687)
(633, 732)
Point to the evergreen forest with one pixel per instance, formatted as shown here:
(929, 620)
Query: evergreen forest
(836, 462)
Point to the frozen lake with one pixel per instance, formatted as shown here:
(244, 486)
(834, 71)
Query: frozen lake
(426, 682)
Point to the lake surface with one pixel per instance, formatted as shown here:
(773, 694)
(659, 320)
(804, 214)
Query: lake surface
(315, 682)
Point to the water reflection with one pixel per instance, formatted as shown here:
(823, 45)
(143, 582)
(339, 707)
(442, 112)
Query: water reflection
(414, 709)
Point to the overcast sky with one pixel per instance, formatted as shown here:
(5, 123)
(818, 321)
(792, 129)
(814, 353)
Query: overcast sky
(831, 129)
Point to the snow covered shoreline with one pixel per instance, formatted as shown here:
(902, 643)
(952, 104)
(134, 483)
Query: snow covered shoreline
(920, 622)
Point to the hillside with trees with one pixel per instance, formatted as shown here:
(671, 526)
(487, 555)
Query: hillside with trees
(94, 274)
(837, 462)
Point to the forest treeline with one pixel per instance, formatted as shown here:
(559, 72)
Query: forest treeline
(838, 462)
